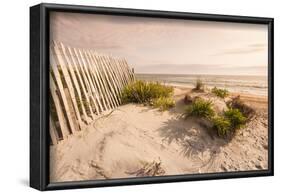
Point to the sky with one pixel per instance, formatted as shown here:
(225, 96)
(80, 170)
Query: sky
(168, 46)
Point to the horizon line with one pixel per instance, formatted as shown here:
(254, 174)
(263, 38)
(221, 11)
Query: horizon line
(260, 75)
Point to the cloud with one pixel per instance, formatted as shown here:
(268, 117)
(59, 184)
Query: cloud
(164, 45)
(251, 48)
(258, 45)
(214, 69)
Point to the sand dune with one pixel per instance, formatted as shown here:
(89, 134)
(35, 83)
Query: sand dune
(136, 140)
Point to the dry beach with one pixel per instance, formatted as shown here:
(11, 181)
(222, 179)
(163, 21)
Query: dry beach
(136, 140)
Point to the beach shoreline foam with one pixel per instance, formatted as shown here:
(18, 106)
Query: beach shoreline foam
(237, 84)
(135, 140)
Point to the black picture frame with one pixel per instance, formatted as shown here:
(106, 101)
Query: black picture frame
(39, 99)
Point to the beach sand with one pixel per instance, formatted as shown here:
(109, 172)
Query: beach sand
(130, 140)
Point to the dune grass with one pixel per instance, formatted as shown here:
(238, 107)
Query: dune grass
(163, 103)
(236, 118)
(229, 122)
(222, 93)
(221, 125)
(199, 86)
(200, 108)
(149, 93)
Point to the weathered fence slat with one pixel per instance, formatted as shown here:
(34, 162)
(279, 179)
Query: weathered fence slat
(86, 102)
(62, 93)
(88, 66)
(61, 119)
(100, 74)
(70, 66)
(98, 106)
(125, 71)
(61, 63)
(83, 85)
(87, 85)
(101, 65)
(114, 79)
(119, 69)
(92, 68)
(53, 133)
(116, 72)
(104, 66)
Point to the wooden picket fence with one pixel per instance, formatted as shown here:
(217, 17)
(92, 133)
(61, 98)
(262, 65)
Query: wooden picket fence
(83, 86)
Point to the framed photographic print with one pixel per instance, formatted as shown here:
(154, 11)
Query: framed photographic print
(124, 96)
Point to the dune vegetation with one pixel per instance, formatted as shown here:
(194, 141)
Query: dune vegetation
(199, 86)
(200, 108)
(149, 93)
(161, 96)
(229, 122)
(222, 93)
(226, 122)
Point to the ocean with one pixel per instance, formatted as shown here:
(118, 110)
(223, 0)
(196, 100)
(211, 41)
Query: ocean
(256, 85)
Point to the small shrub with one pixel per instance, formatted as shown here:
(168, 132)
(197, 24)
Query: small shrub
(145, 92)
(222, 93)
(199, 86)
(163, 103)
(221, 125)
(200, 108)
(236, 118)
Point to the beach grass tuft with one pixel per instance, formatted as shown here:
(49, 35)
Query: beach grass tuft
(163, 103)
(222, 93)
(229, 122)
(222, 125)
(200, 108)
(236, 118)
(151, 93)
(199, 86)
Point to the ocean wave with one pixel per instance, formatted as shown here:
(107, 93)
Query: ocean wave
(250, 84)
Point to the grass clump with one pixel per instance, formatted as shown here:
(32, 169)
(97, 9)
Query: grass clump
(221, 125)
(199, 85)
(137, 92)
(231, 121)
(236, 118)
(222, 93)
(200, 108)
(163, 103)
(150, 93)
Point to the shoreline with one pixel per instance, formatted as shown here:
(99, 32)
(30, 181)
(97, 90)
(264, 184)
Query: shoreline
(245, 94)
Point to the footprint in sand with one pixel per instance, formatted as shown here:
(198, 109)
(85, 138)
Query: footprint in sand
(99, 170)
(103, 143)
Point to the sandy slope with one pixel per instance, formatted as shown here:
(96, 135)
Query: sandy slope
(117, 145)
